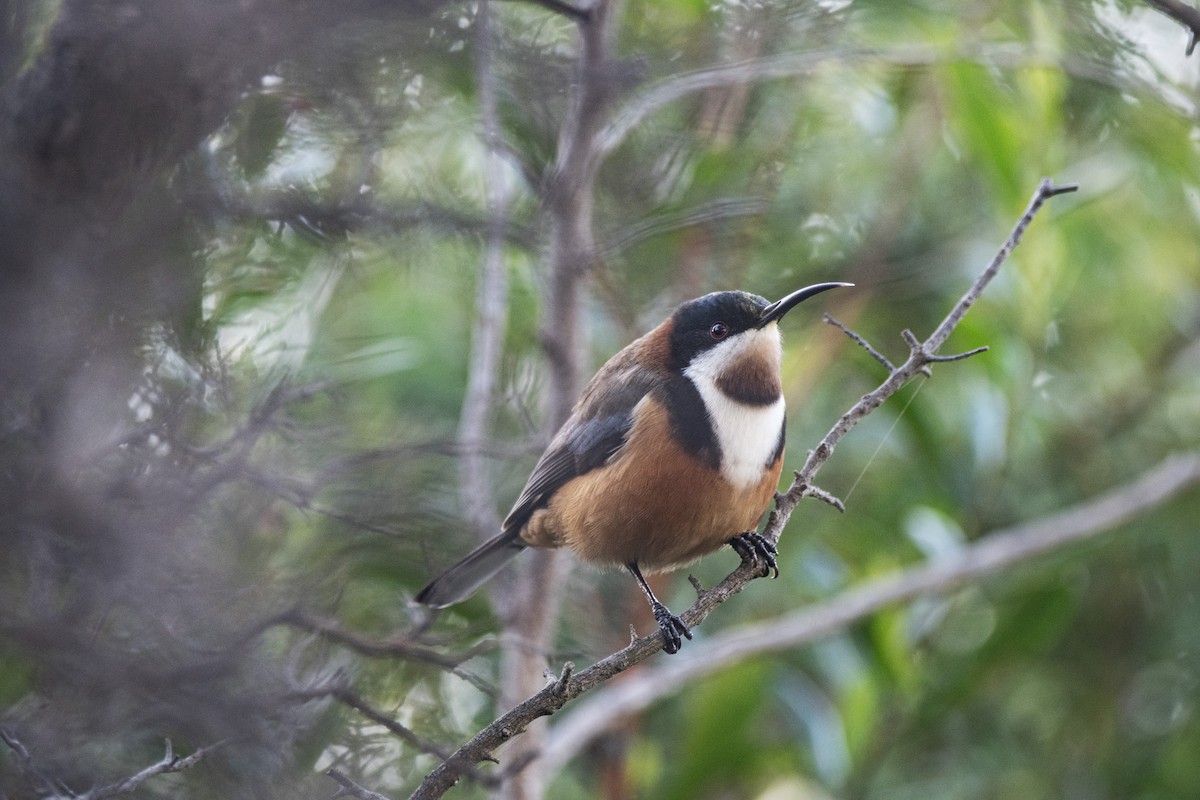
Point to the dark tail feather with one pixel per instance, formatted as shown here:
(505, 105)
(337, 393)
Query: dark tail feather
(460, 581)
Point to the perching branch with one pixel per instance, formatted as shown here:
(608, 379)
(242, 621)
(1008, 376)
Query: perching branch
(570, 684)
(990, 554)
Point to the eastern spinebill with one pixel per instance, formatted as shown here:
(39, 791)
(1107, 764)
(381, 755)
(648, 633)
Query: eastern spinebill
(673, 450)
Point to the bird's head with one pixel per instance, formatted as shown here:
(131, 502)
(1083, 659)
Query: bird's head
(731, 340)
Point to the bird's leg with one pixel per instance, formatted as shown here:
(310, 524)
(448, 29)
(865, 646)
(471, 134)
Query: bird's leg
(669, 625)
(753, 546)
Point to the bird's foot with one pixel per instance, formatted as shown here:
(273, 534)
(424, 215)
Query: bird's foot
(671, 627)
(752, 546)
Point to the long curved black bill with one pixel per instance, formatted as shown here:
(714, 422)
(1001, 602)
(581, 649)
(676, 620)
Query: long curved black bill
(781, 307)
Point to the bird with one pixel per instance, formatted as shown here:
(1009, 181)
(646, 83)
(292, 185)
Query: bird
(673, 450)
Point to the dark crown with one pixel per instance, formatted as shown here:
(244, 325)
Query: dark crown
(692, 330)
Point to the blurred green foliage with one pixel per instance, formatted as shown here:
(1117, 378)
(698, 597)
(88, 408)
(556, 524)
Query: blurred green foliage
(899, 162)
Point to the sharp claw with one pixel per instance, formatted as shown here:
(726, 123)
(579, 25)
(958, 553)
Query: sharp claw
(671, 627)
(753, 546)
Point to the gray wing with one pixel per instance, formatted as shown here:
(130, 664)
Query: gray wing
(595, 432)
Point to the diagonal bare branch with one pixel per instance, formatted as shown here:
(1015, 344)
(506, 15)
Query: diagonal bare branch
(921, 356)
(1046, 189)
(33, 776)
(169, 763)
(54, 790)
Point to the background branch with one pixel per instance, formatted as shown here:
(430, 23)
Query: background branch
(657, 96)
(169, 763)
(342, 693)
(528, 598)
(348, 788)
(400, 646)
(491, 303)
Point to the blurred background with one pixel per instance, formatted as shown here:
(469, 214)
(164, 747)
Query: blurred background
(292, 296)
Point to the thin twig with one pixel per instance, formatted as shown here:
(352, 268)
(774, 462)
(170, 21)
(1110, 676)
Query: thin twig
(167, 764)
(1046, 189)
(921, 355)
(32, 774)
(351, 789)
(48, 790)
(861, 342)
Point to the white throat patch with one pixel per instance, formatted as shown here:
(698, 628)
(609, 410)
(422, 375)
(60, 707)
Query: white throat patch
(746, 435)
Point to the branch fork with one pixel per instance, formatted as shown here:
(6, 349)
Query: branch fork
(57, 790)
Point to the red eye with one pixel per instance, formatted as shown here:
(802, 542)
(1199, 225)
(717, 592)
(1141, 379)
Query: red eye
(719, 331)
